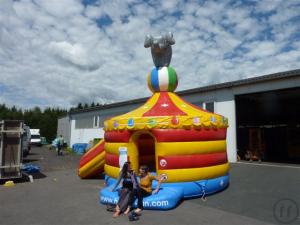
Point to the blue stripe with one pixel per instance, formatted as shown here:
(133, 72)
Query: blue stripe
(154, 79)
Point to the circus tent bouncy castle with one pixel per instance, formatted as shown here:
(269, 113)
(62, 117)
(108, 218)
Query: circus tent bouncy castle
(177, 140)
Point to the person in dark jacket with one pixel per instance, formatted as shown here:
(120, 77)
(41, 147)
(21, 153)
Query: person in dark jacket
(126, 193)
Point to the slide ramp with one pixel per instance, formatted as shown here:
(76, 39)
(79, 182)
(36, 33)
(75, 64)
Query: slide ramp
(92, 162)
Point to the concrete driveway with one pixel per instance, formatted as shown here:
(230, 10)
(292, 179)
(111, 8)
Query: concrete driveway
(60, 197)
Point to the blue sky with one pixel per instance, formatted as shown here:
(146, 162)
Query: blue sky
(61, 52)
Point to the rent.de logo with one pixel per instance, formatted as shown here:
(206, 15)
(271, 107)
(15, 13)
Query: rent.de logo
(286, 211)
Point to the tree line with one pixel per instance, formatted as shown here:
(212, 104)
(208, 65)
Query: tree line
(85, 106)
(35, 118)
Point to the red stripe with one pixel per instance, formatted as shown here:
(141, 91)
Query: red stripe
(91, 154)
(191, 161)
(112, 159)
(181, 135)
(117, 136)
(164, 107)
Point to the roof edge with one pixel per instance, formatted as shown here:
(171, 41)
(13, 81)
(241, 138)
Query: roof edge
(230, 84)
(251, 80)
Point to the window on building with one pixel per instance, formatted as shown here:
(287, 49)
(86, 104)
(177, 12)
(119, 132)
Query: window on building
(209, 106)
(102, 119)
(106, 116)
(84, 122)
(96, 121)
(199, 104)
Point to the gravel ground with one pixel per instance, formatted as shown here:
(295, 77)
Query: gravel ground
(58, 196)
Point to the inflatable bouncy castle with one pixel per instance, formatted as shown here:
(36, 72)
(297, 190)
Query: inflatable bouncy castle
(177, 140)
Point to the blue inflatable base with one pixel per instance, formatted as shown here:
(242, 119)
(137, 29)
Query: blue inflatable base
(170, 194)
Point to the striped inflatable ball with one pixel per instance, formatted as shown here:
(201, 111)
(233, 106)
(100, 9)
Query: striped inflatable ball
(162, 79)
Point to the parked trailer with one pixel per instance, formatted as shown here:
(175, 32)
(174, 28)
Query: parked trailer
(35, 137)
(11, 154)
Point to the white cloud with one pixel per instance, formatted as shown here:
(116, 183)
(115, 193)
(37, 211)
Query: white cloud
(55, 53)
(75, 54)
(264, 6)
(262, 49)
(169, 5)
(61, 9)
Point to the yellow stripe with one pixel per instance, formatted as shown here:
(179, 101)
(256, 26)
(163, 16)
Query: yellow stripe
(186, 175)
(111, 171)
(185, 107)
(189, 148)
(90, 167)
(204, 116)
(139, 111)
(189, 110)
(113, 148)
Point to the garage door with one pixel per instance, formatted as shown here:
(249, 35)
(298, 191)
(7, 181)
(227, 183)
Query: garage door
(268, 126)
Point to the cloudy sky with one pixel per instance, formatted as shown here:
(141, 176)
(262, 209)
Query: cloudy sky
(61, 52)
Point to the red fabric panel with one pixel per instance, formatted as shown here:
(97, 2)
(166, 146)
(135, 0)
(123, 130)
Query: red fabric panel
(191, 161)
(91, 154)
(182, 135)
(164, 107)
(117, 136)
(112, 159)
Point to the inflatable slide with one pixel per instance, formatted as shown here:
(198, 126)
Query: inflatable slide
(92, 162)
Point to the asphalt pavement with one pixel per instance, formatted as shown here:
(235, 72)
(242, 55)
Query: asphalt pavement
(58, 196)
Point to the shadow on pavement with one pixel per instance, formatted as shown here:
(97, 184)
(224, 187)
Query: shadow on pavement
(29, 160)
(24, 178)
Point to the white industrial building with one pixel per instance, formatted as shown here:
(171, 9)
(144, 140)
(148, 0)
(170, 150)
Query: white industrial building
(263, 114)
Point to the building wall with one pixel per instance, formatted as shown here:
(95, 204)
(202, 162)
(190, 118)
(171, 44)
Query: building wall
(227, 109)
(84, 135)
(64, 128)
(84, 127)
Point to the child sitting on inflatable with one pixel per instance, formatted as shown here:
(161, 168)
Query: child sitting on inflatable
(145, 190)
(126, 193)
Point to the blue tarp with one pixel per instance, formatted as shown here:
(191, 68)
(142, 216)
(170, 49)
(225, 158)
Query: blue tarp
(79, 148)
(31, 168)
